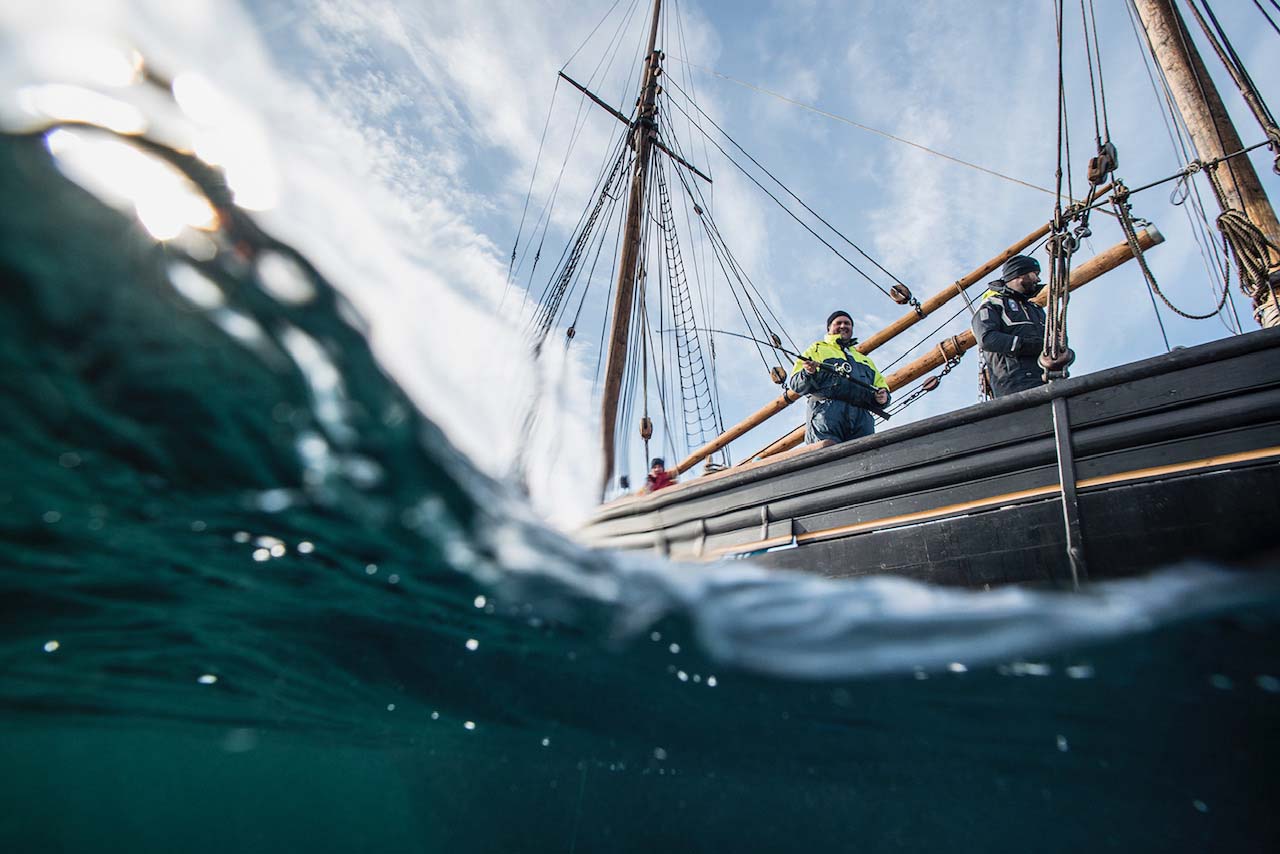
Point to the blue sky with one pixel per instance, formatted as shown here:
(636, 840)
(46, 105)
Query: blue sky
(404, 132)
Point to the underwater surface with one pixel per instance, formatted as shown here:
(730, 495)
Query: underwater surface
(251, 599)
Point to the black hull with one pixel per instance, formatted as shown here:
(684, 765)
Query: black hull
(1177, 456)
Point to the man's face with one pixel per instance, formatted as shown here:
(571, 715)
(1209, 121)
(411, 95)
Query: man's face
(841, 327)
(1026, 283)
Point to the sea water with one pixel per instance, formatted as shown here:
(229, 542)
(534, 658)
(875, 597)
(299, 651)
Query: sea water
(254, 600)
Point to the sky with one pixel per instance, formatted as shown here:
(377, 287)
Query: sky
(402, 137)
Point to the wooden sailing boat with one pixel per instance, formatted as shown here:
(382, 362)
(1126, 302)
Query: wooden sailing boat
(1094, 476)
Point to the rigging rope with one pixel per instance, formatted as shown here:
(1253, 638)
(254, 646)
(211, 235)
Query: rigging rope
(1124, 211)
(788, 210)
(909, 300)
(867, 128)
(1267, 15)
(1229, 58)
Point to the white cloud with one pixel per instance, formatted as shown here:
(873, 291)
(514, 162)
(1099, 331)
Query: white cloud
(418, 124)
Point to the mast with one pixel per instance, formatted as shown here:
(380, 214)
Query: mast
(644, 130)
(1211, 129)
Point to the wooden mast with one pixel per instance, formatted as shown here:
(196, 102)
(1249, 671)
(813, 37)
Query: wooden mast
(644, 130)
(1210, 127)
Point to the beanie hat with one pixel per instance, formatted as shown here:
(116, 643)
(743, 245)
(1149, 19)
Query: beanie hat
(657, 461)
(1019, 265)
(836, 314)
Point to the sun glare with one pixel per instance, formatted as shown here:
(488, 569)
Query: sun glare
(163, 199)
(225, 136)
(65, 103)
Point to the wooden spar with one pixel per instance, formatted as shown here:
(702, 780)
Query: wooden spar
(955, 346)
(955, 289)
(1103, 262)
(1211, 130)
(759, 417)
(908, 320)
(948, 293)
(644, 132)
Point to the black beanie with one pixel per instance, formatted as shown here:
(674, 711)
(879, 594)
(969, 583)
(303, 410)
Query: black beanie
(836, 314)
(1017, 266)
(657, 461)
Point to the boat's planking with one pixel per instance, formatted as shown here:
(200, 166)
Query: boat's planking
(1175, 456)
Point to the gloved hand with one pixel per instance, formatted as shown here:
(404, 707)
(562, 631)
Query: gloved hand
(1029, 345)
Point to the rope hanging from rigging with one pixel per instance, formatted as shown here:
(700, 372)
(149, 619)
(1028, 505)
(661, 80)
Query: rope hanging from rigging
(1248, 89)
(1257, 257)
(1129, 225)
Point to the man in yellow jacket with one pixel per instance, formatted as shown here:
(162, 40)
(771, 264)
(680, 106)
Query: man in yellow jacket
(842, 384)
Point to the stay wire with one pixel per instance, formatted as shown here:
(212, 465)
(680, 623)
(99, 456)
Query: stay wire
(590, 35)
(867, 128)
(788, 190)
(1093, 86)
(537, 160)
(790, 212)
(1267, 14)
(1197, 218)
(1102, 82)
(694, 191)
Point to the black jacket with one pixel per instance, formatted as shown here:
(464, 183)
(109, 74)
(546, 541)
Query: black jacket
(837, 407)
(1010, 330)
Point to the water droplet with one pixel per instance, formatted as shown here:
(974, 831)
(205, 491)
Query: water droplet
(1200, 806)
(682, 676)
(1221, 682)
(1270, 684)
(306, 547)
(546, 742)
(52, 516)
(285, 280)
(435, 716)
(69, 460)
(393, 579)
(240, 740)
(473, 644)
(261, 555)
(370, 569)
(51, 646)
(655, 636)
(1062, 744)
(198, 526)
(712, 682)
(480, 602)
(1080, 671)
(675, 648)
(468, 725)
(659, 753)
(240, 536)
(957, 667)
(274, 500)
(207, 679)
(391, 707)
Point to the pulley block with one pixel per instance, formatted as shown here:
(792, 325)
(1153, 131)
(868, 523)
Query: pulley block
(1103, 164)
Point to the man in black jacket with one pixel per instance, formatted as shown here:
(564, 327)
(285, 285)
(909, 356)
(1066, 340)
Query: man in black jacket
(1010, 328)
